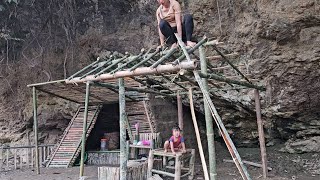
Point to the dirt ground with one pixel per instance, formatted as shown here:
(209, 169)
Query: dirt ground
(284, 167)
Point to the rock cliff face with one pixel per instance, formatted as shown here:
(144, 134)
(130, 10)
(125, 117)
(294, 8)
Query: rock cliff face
(43, 40)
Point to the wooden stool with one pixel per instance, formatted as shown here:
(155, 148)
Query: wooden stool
(179, 158)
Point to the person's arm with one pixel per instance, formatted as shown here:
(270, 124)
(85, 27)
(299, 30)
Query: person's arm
(161, 36)
(177, 13)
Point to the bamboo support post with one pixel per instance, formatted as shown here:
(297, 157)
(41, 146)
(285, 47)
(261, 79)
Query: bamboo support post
(21, 159)
(1, 155)
(180, 111)
(15, 158)
(191, 164)
(122, 115)
(231, 147)
(32, 158)
(208, 118)
(150, 164)
(177, 174)
(261, 134)
(7, 158)
(35, 125)
(196, 128)
(84, 130)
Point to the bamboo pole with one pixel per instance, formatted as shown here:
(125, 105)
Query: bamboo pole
(231, 147)
(117, 61)
(35, 125)
(144, 60)
(137, 72)
(208, 117)
(180, 111)
(122, 110)
(84, 130)
(85, 68)
(230, 63)
(150, 164)
(177, 174)
(196, 129)
(165, 57)
(261, 134)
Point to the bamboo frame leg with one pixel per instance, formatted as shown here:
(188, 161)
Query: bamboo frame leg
(150, 164)
(35, 125)
(261, 134)
(7, 158)
(191, 164)
(1, 162)
(177, 174)
(84, 128)
(15, 159)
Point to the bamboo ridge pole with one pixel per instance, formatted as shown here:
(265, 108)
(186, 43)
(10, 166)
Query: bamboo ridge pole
(196, 128)
(137, 72)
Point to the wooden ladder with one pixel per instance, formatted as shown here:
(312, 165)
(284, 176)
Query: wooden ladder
(137, 113)
(69, 146)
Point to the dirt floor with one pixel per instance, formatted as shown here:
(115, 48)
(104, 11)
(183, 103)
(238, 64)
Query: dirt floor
(284, 167)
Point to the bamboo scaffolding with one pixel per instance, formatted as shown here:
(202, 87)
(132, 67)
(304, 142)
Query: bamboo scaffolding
(180, 111)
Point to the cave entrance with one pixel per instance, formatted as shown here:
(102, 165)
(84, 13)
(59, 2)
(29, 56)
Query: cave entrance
(107, 124)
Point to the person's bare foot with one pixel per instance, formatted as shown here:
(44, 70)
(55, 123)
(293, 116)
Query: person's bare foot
(165, 150)
(191, 44)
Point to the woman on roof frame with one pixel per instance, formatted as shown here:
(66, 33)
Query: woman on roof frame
(170, 21)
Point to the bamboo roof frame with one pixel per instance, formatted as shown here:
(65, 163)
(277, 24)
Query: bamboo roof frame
(151, 72)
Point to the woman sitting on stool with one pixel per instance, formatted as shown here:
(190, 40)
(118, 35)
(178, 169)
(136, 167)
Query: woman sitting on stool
(169, 22)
